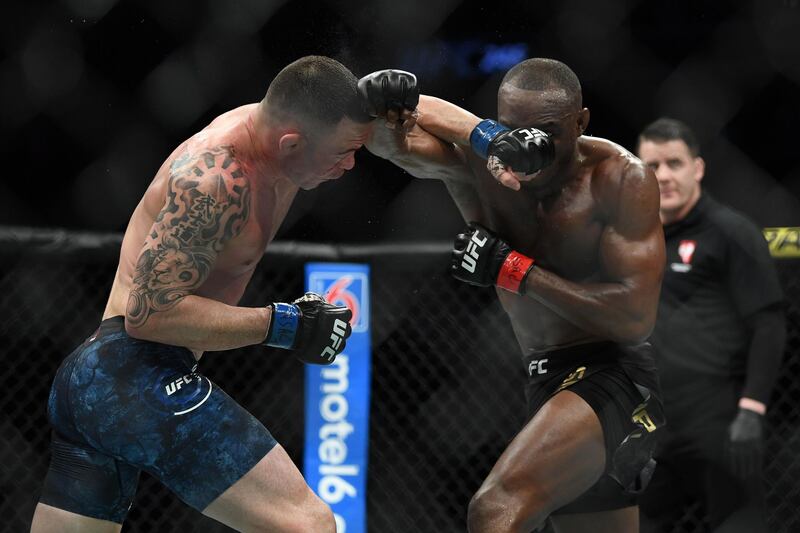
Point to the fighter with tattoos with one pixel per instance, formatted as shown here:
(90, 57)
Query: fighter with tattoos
(130, 398)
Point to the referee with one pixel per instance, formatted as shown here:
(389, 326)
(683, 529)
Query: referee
(719, 340)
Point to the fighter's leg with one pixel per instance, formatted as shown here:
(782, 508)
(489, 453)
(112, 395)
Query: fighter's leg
(557, 456)
(48, 519)
(221, 460)
(84, 490)
(272, 496)
(662, 503)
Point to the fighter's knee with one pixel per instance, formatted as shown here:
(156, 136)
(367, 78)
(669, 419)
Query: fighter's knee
(493, 508)
(496, 507)
(301, 516)
(483, 509)
(322, 517)
(314, 515)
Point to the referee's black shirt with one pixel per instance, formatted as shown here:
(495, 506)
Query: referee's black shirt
(719, 271)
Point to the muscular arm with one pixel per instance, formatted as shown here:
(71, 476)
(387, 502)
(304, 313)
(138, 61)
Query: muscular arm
(445, 120)
(207, 205)
(425, 156)
(622, 306)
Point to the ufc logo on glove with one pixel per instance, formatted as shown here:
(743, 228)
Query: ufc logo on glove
(481, 258)
(531, 133)
(470, 260)
(339, 328)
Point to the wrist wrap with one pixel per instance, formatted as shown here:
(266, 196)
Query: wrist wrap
(482, 135)
(283, 326)
(753, 405)
(513, 272)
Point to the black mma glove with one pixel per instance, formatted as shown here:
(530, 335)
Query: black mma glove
(480, 258)
(525, 150)
(389, 90)
(745, 443)
(315, 329)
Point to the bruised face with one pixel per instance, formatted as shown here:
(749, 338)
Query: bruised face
(678, 173)
(550, 110)
(328, 155)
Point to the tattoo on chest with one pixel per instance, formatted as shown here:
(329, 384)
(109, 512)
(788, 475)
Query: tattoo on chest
(208, 203)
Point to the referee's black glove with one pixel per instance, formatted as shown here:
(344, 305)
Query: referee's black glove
(745, 444)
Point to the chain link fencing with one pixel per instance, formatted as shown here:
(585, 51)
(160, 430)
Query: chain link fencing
(447, 380)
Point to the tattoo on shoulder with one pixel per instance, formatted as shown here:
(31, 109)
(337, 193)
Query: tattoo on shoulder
(208, 203)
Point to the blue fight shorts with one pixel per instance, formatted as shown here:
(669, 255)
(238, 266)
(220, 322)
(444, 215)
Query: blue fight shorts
(119, 405)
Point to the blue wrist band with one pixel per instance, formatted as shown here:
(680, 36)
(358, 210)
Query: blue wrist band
(482, 135)
(283, 326)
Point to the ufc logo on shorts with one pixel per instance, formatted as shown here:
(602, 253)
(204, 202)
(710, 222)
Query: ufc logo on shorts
(177, 384)
(470, 260)
(339, 327)
(537, 365)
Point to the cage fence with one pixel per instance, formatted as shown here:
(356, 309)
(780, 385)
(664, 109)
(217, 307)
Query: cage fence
(447, 380)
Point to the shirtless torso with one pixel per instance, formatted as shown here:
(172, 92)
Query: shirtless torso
(205, 222)
(564, 232)
(590, 222)
(593, 230)
(131, 397)
(221, 151)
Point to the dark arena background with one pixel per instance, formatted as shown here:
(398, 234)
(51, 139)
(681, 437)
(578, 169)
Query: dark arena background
(94, 94)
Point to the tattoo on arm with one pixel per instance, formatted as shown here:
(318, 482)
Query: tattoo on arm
(208, 203)
(495, 166)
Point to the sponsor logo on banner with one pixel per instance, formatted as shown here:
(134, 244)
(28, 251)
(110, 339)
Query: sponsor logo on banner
(337, 401)
(350, 289)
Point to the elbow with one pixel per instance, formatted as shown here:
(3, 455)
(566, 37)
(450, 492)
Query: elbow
(634, 331)
(636, 320)
(137, 330)
(152, 330)
(137, 324)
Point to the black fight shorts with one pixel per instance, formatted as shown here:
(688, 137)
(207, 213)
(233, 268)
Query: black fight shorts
(621, 385)
(119, 405)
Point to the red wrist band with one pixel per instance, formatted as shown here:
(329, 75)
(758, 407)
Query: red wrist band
(513, 272)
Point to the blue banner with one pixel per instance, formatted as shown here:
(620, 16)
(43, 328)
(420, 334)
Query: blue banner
(337, 402)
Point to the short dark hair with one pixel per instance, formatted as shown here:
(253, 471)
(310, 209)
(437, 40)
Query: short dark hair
(540, 74)
(317, 91)
(669, 129)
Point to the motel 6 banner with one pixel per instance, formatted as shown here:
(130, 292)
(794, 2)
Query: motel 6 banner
(337, 401)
